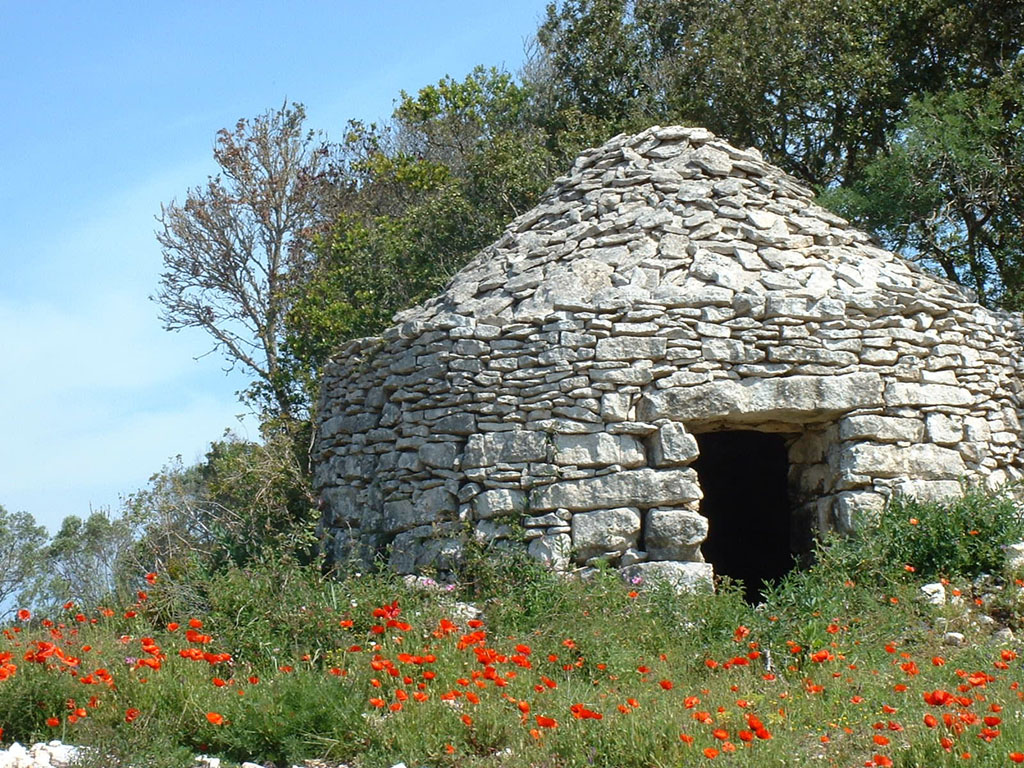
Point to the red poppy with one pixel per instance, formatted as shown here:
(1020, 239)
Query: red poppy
(215, 717)
(937, 698)
(53, 722)
(24, 614)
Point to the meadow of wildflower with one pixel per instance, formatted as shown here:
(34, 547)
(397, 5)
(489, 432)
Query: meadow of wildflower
(843, 663)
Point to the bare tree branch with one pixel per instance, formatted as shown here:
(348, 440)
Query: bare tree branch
(233, 250)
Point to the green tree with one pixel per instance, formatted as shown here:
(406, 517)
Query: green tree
(819, 85)
(949, 190)
(243, 500)
(22, 543)
(87, 562)
(234, 251)
(416, 199)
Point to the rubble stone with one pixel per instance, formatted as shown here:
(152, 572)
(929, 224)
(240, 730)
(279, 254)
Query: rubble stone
(668, 286)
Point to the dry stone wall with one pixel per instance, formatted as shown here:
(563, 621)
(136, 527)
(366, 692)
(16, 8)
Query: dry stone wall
(669, 285)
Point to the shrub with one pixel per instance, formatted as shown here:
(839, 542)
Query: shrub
(958, 537)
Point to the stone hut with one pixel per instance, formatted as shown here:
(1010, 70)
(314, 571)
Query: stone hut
(677, 362)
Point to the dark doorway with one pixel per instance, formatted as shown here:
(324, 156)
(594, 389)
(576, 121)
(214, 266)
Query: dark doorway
(744, 478)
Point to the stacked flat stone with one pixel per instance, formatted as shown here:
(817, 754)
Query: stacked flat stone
(670, 284)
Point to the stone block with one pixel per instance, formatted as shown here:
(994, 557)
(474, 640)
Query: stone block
(439, 455)
(795, 354)
(672, 446)
(683, 577)
(425, 547)
(803, 398)
(631, 348)
(923, 461)
(898, 393)
(643, 488)
(782, 304)
(499, 501)
(730, 351)
(484, 450)
(629, 375)
(632, 556)
(615, 406)
(944, 429)
(1015, 557)
(455, 424)
(930, 490)
(604, 531)
(488, 531)
(341, 506)
(881, 429)
(400, 515)
(674, 534)
(432, 505)
(552, 551)
(709, 159)
(599, 449)
(811, 446)
(543, 521)
(851, 506)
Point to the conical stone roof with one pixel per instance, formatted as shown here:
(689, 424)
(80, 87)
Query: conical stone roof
(677, 217)
(670, 285)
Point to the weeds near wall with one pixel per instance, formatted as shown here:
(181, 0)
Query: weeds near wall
(843, 663)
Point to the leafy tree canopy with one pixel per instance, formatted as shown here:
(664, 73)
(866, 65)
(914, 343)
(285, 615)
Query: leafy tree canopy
(21, 546)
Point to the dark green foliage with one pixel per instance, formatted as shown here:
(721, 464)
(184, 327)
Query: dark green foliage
(962, 537)
(818, 85)
(244, 501)
(518, 591)
(909, 540)
(949, 189)
(414, 201)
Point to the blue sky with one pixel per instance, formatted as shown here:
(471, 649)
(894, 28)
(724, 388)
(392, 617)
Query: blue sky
(109, 109)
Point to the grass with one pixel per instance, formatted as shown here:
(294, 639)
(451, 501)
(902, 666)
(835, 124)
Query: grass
(844, 664)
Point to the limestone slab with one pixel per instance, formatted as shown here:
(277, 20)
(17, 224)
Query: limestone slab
(505, 448)
(642, 488)
(801, 398)
(674, 534)
(683, 577)
(604, 531)
(599, 449)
